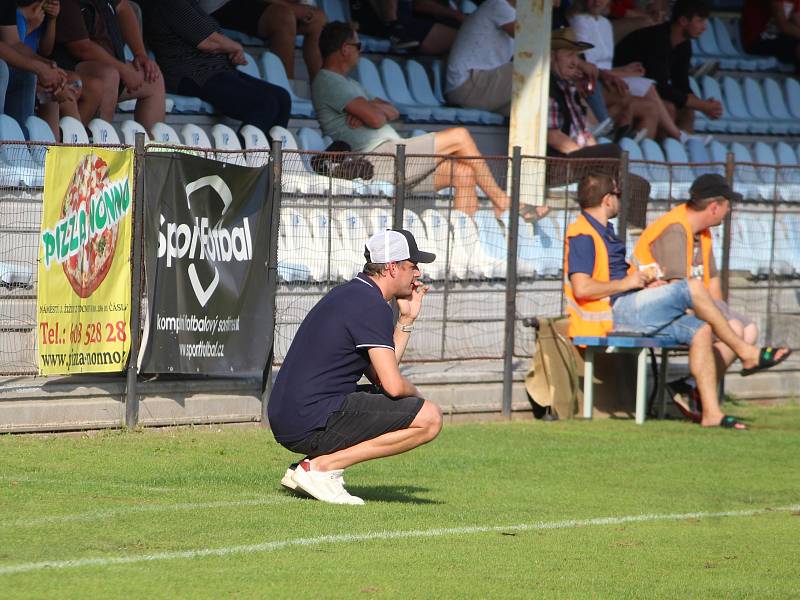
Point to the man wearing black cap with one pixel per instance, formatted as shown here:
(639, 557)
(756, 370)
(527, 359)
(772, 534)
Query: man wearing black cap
(680, 243)
(315, 408)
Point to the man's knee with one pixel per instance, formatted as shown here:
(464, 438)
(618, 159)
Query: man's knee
(463, 174)
(429, 419)
(318, 20)
(281, 18)
(696, 288)
(703, 336)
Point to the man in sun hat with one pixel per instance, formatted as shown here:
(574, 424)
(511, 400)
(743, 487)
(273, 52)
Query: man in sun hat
(316, 408)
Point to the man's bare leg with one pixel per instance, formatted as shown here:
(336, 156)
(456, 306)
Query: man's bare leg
(458, 142)
(100, 90)
(703, 366)
(424, 428)
(462, 178)
(279, 23)
(150, 103)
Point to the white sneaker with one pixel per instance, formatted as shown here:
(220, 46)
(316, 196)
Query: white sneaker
(287, 481)
(604, 127)
(703, 139)
(640, 135)
(326, 486)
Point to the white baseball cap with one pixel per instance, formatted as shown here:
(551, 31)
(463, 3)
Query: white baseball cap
(394, 245)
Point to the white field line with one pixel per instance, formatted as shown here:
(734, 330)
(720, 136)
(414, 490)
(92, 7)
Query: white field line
(106, 561)
(98, 515)
(113, 484)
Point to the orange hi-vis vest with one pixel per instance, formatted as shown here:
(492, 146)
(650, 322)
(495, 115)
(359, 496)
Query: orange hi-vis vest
(642, 254)
(588, 317)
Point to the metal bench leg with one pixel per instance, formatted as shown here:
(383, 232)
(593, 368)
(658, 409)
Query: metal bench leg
(641, 385)
(661, 400)
(588, 382)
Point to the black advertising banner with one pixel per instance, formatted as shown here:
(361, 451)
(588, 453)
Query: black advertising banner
(207, 230)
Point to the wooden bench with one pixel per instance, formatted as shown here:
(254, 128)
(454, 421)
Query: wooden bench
(626, 343)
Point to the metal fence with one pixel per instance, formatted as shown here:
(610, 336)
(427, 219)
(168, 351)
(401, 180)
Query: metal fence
(494, 268)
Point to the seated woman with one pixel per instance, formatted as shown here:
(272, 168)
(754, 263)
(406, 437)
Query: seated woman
(649, 111)
(772, 28)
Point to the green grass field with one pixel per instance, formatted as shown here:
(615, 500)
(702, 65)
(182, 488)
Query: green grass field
(500, 510)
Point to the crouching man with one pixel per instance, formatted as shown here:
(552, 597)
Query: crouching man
(315, 408)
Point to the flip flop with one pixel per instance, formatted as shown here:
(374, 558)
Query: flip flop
(766, 360)
(729, 422)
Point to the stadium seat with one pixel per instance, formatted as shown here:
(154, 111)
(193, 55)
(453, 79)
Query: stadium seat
(413, 223)
(297, 176)
(682, 173)
(728, 49)
(790, 171)
(757, 106)
(659, 172)
(636, 158)
(421, 90)
(226, 139)
(400, 93)
(701, 158)
(486, 117)
(700, 120)
(762, 63)
(39, 131)
(367, 74)
(310, 139)
(787, 243)
(129, 130)
(548, 235)
(746, 176)
(189, 105)
(18, 166)
(194, 136)
(468, 7)
(103, 132)
(339, 10)
(354, 228)
(777, 105)
(331, 260)
(492, 240)
(294, 237)
(741, 119)
(711, 90)
(250, 67)
(73, 131)
(707, 49)
(275, 73)
(440, 233)
(164, 134)
(792, 88)
(256, 144)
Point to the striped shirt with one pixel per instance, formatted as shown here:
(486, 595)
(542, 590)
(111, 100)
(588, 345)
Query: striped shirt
(173, 29)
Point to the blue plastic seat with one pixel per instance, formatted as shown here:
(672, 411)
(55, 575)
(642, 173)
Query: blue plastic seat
(310, 139)
(367, 74)
(636, 158)
(765, 157)
(250, 67)
(700, 120)
(339, 10)
(777, 106)
(39, 131)
(701, 159)
(757, 106)
(742, 120)
(275, 73)
(728, 49)
(763, 63)
(659, 172)
(787, 159)
(190, 105)
(725, 123)
(421, 90)
(746, 176)
(792, 88)
(400, 92)
(18, 163)
(681, 171)
(486, 117)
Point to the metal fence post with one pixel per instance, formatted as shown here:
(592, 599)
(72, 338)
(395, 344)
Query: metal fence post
(131, 397)
(511, 282)
(399, 187)
(726, 232)
(622, 222)
(274, 195)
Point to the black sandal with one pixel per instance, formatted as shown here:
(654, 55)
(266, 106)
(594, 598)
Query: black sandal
(729, 422)
(767, 360)
(529, 213)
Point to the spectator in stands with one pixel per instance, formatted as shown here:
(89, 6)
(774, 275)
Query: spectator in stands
(479, 67)
(559, 13)
(199, 61)
(604, 293)
(680, 243)
(567, 133)
(347, 113)
(316, 407)
(21, 68)
(772, 28)
(591, 26)
(665, 51)
(429, 26)
(95, 32)
(280, 21)
(36, 23)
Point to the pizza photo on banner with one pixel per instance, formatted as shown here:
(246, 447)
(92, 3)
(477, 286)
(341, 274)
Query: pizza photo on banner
(206, 244)
(83, 303)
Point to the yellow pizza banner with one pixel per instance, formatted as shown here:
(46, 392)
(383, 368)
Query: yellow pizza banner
(83, 305)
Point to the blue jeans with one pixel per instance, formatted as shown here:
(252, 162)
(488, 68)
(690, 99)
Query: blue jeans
(658, 311)
(17, 92)
(240, 96)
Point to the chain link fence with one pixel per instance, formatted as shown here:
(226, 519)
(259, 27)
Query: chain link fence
(458, 208)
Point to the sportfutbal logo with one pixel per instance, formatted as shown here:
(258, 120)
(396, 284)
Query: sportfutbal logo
(200, 241)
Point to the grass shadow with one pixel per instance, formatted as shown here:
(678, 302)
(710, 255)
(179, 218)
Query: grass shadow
(392, 493)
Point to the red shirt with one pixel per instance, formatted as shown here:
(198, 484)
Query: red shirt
(618, 8)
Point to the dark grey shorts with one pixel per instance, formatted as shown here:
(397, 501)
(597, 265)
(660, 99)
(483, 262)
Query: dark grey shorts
(363, 416)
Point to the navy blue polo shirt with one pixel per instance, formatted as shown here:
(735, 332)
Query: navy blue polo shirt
(581, 252)
(328, 356)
